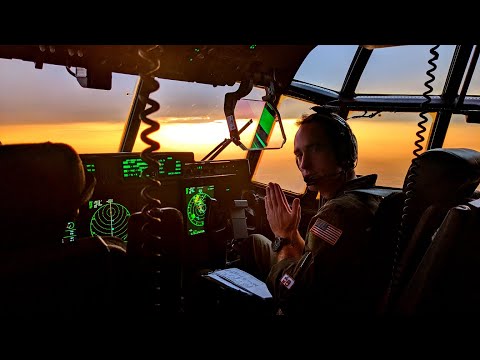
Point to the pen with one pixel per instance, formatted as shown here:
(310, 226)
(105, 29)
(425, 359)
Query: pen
(302, 263)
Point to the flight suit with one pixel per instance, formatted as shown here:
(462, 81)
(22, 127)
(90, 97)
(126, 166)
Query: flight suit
(334, 274)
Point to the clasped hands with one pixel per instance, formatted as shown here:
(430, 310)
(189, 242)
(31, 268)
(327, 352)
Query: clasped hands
(284, 219)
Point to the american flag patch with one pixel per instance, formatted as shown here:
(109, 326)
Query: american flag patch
(326, 231)
(287, 281)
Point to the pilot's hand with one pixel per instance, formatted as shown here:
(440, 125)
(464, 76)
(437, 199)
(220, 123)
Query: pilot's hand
(283, 219)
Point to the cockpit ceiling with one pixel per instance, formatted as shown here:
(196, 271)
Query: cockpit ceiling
(209, 64)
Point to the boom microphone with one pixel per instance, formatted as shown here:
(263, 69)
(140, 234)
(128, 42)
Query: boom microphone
(311, 180)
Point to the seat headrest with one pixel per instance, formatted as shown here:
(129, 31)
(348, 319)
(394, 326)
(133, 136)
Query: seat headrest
(443, 176)
(41, 183)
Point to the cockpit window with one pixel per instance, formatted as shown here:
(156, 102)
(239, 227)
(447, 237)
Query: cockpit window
(48, 104)
(192, 118)
(279, 165)
(462, 134)
(402, 70)
(327, 66)
(474, 87)
(388, 152)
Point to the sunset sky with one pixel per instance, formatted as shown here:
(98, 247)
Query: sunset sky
(51, 94)
(49, 105)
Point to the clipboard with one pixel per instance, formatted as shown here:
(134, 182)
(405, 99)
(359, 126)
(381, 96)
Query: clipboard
(240, 280)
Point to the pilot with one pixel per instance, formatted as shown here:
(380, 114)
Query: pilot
(328, 270)
(53, 185)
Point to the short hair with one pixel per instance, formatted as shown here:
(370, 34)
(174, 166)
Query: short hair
(343, 140)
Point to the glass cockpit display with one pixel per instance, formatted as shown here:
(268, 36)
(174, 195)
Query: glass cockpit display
(109, 218)
(196, 198)
(118, 191)
(186, 185)
(101, 217)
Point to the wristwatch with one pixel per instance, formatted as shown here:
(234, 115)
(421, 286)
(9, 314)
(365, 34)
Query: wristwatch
(279, 242)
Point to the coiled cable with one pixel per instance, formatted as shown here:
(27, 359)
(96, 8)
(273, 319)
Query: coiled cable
(398, 267)
(150, 174)
(150, 210)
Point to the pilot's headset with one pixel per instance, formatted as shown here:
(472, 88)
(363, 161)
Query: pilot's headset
(343, 139)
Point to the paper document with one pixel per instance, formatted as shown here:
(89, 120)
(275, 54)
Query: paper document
(241, 280)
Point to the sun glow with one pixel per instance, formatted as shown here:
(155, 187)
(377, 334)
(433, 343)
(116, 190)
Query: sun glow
(85, 137)
(199, 137)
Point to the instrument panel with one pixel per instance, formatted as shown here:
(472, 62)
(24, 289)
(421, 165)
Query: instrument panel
(117, 191)
(185, 185)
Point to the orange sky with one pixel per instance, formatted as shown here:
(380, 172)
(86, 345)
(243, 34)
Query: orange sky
(52, 97)
(386, 150)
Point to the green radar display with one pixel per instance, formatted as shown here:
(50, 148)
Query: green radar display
(110, 219)
(196, 207)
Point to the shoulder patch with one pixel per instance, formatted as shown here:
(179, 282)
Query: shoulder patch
(326, 231)
(287, 281)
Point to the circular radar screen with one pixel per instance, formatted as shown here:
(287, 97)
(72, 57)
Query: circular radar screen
(196, 209)
(110, 220)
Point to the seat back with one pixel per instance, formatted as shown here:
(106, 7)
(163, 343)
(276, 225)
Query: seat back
(436, 181)
(42, 187)
(384, 231)
(441, 176)
(447, 280)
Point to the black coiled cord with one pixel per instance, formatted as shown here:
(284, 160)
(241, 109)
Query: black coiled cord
(151, 173)
(150, 210)
(398, 267)
(427, 101)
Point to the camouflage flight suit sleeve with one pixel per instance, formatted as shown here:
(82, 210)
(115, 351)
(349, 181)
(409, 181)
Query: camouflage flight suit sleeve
(328, 276)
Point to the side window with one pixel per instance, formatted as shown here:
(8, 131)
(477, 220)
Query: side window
(398, 69)
(385, 147)
(326, 66)
(279, 165)
(462, 134)
(386, 144)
